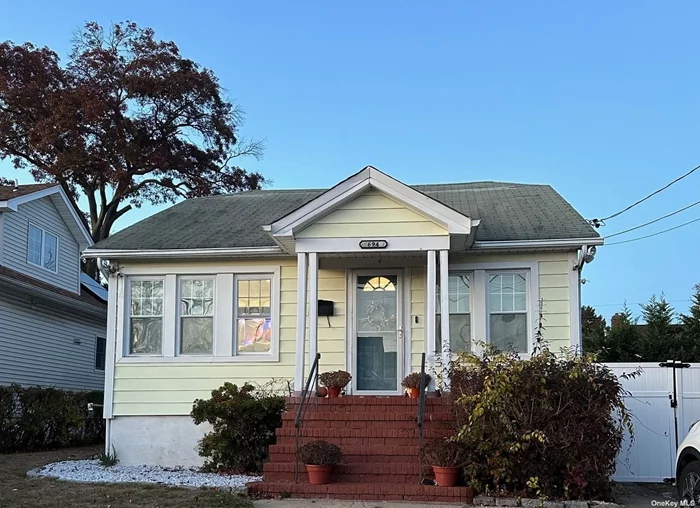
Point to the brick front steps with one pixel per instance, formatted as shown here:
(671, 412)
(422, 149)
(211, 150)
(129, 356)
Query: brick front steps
(379, 440)
(366, 491)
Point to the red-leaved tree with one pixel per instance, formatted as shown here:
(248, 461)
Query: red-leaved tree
(125, 120)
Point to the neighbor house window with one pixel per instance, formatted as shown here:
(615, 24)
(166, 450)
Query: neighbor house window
(254, 318)
(507, 307)
(459, 296)
(42, 248)
(100, 353)
(146, 317)
(197, 316)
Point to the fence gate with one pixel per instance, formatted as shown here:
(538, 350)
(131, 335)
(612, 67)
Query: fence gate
(665, 401)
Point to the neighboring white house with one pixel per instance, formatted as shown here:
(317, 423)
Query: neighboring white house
(52, 316)
(216, 289)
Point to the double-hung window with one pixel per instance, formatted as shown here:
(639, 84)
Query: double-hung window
(146, 317)
(459, 296)
(100, 353)
(42, 248)
(507, 309)
(197, 316)
(253, 314)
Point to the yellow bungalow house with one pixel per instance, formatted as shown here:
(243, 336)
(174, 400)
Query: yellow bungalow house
(209, 291)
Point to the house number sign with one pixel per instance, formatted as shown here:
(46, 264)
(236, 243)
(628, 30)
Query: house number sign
(373, 244)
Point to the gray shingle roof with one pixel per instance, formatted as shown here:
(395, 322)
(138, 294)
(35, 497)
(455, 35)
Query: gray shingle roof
(508, 211)
(10, 191)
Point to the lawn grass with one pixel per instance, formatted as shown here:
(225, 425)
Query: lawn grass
(19, 491)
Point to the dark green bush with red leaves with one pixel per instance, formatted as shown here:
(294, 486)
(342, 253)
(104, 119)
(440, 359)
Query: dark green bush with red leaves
(36, 418)
(551, 426)
(243, 427)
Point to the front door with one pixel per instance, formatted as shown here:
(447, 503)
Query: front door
(377, 336)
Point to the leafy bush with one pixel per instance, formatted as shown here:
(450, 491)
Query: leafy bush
(338, 378)
(549, 426)
(243, 427)
(444, 453)
(36, 418)
(319, 453)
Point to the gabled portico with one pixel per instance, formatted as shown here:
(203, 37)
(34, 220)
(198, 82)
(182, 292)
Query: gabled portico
(371, 215)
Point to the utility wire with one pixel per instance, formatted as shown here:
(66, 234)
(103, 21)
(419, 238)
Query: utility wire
(655, 220)
(633, 303)
(657, 233)
(598, 222)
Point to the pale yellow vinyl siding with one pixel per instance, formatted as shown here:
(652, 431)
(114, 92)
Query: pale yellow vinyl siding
(553, 288)
(372, 214)
(417, 311)
(170, 389)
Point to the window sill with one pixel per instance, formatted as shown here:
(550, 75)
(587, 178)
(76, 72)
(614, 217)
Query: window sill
(268, 358)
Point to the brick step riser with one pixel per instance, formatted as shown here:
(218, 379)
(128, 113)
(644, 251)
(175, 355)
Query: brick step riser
(356, 459)
(404, 410)
(367, 417)
(325, 433)
(354, 441)
(357, 468)
(366, 491)
(374, 425)
(346, 478)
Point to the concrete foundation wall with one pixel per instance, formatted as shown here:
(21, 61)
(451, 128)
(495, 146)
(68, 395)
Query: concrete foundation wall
(157, 440)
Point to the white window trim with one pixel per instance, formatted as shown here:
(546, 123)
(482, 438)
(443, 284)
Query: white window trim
(44, 232)
(479, 296)
(273, 305)
(528, 306)
(224, 313)
(178, 310)
(126, 329)
(447, 340)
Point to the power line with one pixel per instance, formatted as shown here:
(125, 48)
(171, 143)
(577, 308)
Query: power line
(657, 233)
(599, 222)
(655, 220)
(633, 303)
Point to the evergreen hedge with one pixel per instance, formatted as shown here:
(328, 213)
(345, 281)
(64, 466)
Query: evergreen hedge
(36, 418)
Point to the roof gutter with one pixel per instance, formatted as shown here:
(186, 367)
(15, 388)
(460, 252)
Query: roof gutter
(182, 253)
(92, 309)
(574, 243)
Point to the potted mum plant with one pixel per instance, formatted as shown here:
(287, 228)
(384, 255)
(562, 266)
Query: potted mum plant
(412, 383)
(319, 457)
(335, 381)
(446, 458)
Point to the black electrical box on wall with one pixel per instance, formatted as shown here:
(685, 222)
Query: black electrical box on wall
(325, 308)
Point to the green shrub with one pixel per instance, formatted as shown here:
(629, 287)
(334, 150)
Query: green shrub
(243, 427)
(36, 418)
(549, 426)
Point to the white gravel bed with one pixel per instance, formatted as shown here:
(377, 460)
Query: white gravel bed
(92, 471)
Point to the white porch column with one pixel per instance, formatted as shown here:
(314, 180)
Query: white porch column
(445, 313)
(301, 322)
(313, 307)
(444, 301)
(430, 298)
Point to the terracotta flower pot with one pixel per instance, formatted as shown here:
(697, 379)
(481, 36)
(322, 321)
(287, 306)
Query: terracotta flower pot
(322, 391)
(413, 393)
(446, 476)
(334, 391)
(319, 475)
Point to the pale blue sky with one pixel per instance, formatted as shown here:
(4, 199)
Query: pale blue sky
(599, 99)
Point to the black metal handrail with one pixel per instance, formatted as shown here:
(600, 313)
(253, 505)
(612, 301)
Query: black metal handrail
(421, 416)
(313, 374)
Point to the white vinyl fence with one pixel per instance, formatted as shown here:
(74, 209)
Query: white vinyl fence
(664, 402)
